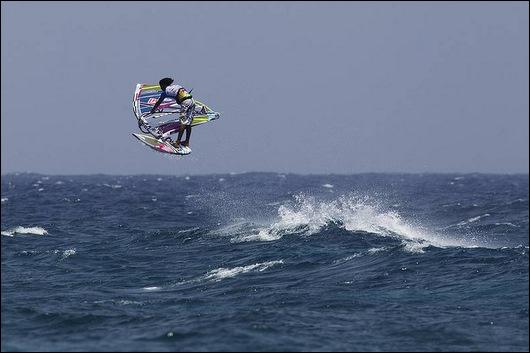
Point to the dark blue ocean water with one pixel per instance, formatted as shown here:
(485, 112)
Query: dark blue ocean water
(265, 261)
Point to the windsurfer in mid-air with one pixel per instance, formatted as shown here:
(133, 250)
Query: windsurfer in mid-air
(187, 107)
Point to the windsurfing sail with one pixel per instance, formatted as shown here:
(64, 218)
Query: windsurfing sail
(165, 120)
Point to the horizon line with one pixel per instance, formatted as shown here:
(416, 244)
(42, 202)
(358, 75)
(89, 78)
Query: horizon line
(271, 172)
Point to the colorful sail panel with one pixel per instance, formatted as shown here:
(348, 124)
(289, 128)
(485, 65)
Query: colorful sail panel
(145, 97)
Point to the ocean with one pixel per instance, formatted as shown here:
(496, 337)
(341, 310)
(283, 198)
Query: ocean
(265, 262)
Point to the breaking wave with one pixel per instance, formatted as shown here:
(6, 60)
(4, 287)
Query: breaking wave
(308, 216)
(23, 230)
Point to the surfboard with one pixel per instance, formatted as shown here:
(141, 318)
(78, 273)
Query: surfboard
(162, 146)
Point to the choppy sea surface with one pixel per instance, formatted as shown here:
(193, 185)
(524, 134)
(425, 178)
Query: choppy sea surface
(265, 262)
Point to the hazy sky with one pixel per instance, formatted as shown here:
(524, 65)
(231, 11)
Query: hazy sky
(303, 87)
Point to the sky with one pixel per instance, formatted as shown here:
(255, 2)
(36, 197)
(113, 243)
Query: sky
(303, 87)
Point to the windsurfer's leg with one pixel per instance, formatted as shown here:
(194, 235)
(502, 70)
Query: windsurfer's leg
(188, 135)
(179, 137)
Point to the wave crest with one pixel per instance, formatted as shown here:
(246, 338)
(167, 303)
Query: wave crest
(308, 216)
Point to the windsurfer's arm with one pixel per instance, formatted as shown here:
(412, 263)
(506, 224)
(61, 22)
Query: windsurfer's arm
(158, 102)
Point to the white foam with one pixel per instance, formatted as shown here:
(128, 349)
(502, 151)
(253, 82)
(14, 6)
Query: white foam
(23, 230)
(129, 302)
(150, 289)
(65, 253)
(369, 252)
(376, 250)
(348, 258)
(223, 273)
(68, 252)
(415, 247)
(119, 302)
(507, 224)
(329, 186)
(307, 216)
(263, 234)
(517, 201)
(473, 219)
(189, 230)
(4, 199)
